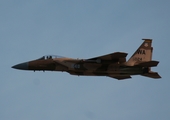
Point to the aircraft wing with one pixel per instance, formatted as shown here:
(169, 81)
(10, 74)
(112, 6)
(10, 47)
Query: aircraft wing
(117, 57)
(121, 77)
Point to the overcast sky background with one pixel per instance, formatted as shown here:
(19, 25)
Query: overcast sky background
(82, 29)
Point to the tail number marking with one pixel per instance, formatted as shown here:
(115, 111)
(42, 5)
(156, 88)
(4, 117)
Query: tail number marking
(137, 59)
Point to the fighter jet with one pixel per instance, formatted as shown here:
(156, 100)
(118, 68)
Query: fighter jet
(112, 65)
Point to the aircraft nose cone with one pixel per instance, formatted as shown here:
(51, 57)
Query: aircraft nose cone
(21, 66)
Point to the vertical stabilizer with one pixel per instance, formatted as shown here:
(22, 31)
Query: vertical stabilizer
(142, 54)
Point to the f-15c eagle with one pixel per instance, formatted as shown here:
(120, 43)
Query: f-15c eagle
(112, 65)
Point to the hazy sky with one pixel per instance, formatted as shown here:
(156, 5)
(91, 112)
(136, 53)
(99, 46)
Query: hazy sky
(82, 29)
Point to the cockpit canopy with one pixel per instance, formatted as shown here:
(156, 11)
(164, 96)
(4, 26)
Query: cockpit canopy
(50, 57)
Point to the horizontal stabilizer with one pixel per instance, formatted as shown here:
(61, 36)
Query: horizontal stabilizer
(148, 64)
(121, 77)
(152, 75)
